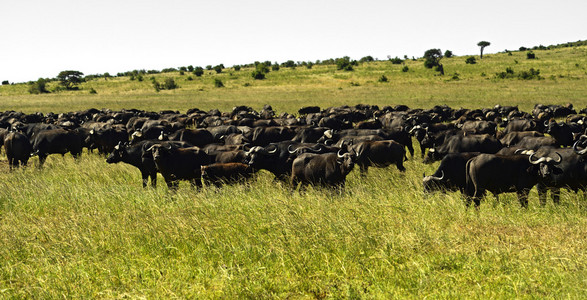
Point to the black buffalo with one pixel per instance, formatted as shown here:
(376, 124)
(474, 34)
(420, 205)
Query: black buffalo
(450, 175)
(18, 149)
(379, 154)
(502, 174)
(329, 169)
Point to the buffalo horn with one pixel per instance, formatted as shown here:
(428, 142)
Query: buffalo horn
(576, 148)
(560, 158)
(530, 158)
(339, 155)
(291, 151)
(441, 176)
(318, 147)
(272, 151)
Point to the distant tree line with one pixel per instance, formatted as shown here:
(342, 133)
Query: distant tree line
(432, 59)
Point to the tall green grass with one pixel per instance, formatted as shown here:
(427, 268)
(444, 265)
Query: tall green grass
(88, 229)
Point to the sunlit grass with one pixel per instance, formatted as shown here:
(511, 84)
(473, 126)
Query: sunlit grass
(564, 73)
(89, 229)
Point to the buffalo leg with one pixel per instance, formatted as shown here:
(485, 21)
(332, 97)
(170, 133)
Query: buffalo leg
(542, 192)
(523, 197)
(153, 179)
(363, 168)
(400, 166)
(42, 159)
(556, 195)
(145, 177)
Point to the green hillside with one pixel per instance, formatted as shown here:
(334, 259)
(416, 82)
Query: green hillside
(563, 73)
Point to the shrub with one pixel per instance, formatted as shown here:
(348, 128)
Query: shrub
(309, 65)
(183, 69)
(275, 67)
(344, 63)
(236, 67)
(258, 75)
(530, 74)
(156, 85)
(189, 78)
(218, 83)
(383, 78)
(198, 71)
(181, 73)
(209, 67)
(170, 84)
(368, 58)
(218, 69)
(262, 67)
(471, 60)
(190, 68)
(396, 60)
(140, 77)
(405, 69)
(455, 76)
(93, 91)
(289, 64)
(5, 82)
(530, 55)
(448, 54)
(38, 87)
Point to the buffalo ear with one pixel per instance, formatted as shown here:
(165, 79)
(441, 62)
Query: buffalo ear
(533, 169)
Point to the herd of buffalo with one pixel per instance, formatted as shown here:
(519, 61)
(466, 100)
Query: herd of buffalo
(499, 149)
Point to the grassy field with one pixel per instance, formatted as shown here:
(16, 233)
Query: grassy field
(86, 229)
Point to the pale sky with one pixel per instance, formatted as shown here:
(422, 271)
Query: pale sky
(40, 38)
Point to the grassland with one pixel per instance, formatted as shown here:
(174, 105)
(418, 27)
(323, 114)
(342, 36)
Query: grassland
(564, 72)
(87, 229)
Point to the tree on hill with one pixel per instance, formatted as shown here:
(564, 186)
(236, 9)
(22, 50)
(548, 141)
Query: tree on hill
(432, 59)
(482, 45)
(70, 79)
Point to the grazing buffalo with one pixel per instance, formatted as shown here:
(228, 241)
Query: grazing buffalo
(136, 155)
(483, 143)
(277, 158)
(515, 137)
(329, 169)
(179, 163)
(57, 141)
(573, 176)
(18, 149)
(450, 175)
(379, 154)
(502, 174)
(196, 137)
(222, 173)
